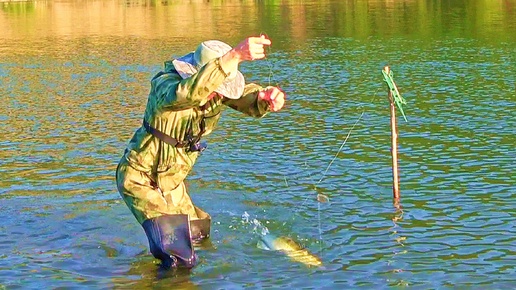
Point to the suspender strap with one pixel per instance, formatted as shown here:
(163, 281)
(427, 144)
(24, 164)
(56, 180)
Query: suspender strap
(162, 136)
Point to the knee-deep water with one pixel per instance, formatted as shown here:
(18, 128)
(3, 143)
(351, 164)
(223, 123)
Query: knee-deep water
(74, 78)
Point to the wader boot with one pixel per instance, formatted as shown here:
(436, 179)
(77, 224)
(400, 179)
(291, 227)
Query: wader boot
(170, 240)
(200, 227)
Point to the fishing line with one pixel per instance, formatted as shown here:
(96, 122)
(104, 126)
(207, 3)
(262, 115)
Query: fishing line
(321, 197)
(270, 79)
(258, 227)
(269, 62)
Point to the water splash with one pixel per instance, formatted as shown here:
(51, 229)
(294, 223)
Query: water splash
(258, 227)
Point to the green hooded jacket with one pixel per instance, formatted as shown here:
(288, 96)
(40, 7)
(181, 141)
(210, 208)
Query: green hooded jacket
(175, 106)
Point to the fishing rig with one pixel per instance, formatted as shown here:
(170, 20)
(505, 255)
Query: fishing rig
(395, 99)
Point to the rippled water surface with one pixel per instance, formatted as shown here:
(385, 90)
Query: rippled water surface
(74, 80)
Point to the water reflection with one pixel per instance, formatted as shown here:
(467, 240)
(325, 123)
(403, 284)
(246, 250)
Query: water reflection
(191, 21)
(144, 274)
(74, 79)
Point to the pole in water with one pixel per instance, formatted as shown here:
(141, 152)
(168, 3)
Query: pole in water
(394, 144)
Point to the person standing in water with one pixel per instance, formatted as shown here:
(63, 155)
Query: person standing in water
(184, 105)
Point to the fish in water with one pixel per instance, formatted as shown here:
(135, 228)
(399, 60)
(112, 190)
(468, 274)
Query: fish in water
(290, 248)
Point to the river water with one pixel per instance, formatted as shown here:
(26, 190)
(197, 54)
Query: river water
(74, 79)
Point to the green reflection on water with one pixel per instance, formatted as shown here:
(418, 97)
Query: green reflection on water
(75, 89)
(491, 21)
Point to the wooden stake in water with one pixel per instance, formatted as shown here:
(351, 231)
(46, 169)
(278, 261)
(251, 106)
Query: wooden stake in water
(394, 145)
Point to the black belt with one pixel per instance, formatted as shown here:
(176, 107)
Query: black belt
(193, 144)
(162, 136)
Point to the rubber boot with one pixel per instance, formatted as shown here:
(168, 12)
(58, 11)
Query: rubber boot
(200, 227)
(170, 240)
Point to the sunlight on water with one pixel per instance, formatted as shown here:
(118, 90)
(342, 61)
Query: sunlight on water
(74, 78)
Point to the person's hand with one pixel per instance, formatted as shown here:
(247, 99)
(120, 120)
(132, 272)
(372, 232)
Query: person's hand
(251, 48)
(274, 96)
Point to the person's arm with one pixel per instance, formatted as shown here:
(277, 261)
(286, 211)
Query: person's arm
(256, 101)
(249, 103)
(173, 92)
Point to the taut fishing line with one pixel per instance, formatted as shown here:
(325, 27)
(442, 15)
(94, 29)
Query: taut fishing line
(320, 197)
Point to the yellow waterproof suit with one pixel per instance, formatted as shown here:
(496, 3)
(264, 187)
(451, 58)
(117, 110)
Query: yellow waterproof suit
(150, 176)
